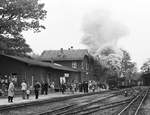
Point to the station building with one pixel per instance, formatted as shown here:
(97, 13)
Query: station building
(21, 68)
(79, 59)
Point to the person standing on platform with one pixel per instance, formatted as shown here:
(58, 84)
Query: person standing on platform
(23, 88)
(52, 86)
(11, 89)
(84, 87)
(42, 87)
(80, 87)
(28, 93)
(36, 89)
(63, 88)
(46, 88)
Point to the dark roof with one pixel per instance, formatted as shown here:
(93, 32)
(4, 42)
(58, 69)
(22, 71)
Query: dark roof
(73, 54)
(41, 64)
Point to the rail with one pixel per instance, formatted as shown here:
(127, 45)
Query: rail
(141, 103)
(133, 101)
(73, 108)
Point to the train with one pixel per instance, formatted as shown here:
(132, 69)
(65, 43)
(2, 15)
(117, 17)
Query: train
(119, 83)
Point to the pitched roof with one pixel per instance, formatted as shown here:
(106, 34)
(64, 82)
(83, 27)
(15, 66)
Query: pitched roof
(73, 54)
(41, 64)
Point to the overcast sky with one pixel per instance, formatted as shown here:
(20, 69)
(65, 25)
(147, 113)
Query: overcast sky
(65, 20)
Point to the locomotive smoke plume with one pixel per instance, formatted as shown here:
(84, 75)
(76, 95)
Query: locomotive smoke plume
(100, 32)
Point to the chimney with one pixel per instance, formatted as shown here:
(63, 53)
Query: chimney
(71, 47)
(61, 50)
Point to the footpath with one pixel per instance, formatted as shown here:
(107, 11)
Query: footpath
(51, 97)
(18, 100)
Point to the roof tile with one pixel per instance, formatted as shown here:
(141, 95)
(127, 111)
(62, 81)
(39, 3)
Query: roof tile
(73, 54)
(41, 64)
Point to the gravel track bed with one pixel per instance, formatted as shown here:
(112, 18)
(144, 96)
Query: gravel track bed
(32, 110)
(145, 108)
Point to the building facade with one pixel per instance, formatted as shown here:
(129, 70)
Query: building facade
(19, 69)
(79, 59)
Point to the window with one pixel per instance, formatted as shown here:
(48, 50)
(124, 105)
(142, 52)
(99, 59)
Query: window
(87, 68)
(74, 64)
(66, 74)
(82, 65)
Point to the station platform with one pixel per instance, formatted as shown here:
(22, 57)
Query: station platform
(18, 100)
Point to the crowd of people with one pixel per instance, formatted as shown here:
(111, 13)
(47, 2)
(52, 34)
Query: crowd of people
(26, 90)
(85, 87)
(72, 87)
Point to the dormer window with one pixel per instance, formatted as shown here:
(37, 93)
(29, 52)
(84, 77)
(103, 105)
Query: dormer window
(74, 64)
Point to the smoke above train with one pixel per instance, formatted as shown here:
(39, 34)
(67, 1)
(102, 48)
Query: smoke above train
(101, 34)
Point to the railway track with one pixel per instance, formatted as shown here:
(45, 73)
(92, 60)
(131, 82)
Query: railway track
(92, 107)
(85, 108)
(134, 106)
(40, 102)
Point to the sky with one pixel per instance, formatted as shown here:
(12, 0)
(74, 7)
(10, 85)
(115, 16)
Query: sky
(65, 22)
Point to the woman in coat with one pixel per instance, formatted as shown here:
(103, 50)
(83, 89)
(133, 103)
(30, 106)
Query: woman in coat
(10, 92)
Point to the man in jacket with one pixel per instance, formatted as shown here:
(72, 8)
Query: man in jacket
(36, 89)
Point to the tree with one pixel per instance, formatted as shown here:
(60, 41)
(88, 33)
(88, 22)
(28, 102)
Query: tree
(146, 67)
(111, 61)
(128, 68)
(17, 16)
(15, 46)
(116, 64)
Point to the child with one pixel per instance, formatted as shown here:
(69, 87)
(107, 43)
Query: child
(28, 93)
